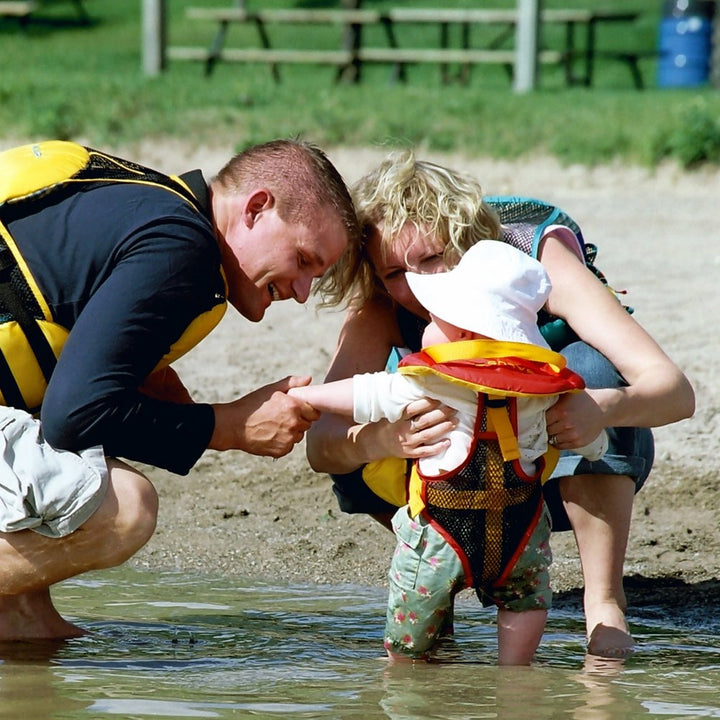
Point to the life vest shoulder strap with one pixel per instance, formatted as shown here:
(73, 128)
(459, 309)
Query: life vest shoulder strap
(30, 171)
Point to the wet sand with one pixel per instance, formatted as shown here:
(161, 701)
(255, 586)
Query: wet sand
(252, 517)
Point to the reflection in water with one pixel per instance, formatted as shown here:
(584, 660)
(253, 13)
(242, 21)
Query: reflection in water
(172, 646)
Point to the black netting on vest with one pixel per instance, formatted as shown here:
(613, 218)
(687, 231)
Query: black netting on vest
(23, 292)
(107, 168)
(513, 210)
(486, 508)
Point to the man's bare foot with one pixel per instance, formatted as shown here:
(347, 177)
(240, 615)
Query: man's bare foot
(610, 642)
(32, 616)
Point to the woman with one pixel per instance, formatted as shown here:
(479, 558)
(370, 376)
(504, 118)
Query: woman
(421, 217)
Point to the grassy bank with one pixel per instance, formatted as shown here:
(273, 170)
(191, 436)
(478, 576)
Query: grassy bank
(61, 79)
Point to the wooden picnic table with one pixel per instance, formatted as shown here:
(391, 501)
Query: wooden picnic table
(577, 58)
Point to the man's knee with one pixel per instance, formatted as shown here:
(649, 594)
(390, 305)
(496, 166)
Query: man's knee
(140, 515)
(129, 511)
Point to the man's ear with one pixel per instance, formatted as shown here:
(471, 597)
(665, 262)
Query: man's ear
(256, 203)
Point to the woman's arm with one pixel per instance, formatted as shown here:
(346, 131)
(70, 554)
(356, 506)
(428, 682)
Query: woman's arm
(658, 393)
(334, 443)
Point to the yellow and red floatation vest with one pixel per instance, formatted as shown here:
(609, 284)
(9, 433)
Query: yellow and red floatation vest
(488, 507)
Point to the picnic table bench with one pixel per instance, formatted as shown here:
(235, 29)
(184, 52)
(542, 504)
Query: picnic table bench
(24, 9)
(354, 53)
(20, 10)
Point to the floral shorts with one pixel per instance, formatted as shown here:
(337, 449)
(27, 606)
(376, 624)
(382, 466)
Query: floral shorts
(426, 574)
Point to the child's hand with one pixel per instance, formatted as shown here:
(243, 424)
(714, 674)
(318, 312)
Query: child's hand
(297, 387)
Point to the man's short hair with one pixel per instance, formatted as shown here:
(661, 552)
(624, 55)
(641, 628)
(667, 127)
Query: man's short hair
(298, 174)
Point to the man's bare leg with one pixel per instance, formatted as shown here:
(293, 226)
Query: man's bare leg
(600, 510)
(32, 616)
(30, 563)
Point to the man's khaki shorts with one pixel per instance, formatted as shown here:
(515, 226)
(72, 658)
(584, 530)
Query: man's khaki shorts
(52, 492)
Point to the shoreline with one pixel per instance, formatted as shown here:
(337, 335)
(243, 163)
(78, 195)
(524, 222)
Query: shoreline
(245, 516)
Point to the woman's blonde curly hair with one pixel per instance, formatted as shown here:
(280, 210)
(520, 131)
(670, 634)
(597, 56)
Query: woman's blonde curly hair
(402, 190)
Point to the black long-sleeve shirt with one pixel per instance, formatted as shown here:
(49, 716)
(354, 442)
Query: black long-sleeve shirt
(125, 268)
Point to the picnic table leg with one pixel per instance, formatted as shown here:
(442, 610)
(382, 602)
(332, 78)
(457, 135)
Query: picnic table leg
(352, 42)
(216, 47)
(399, 71)
(465, 69)
(633, 63)
(590, 53)
(444, 44)
(570, 78)
(497, 42)
(265, 40)
(82, 12)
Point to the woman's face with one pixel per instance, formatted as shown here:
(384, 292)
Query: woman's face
(412, 250)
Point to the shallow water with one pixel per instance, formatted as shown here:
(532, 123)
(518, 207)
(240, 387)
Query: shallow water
(176, 646)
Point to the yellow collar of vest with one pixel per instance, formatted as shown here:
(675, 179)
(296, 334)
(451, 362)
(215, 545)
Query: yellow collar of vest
(469, 349)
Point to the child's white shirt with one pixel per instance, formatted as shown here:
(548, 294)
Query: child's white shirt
(384, 395)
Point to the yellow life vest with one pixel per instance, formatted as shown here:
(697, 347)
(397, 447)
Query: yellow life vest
(30, 340)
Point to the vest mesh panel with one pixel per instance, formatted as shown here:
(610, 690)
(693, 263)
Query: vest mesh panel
(486, 508)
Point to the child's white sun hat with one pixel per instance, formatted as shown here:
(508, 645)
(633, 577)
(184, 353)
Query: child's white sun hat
(495, 290)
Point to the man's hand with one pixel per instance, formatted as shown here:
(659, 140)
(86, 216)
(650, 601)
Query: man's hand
(267, 421)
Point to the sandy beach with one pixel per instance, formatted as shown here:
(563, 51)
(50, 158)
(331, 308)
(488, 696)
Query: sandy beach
(247, 516)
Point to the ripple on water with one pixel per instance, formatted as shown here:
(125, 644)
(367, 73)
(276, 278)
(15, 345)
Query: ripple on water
(175, 646)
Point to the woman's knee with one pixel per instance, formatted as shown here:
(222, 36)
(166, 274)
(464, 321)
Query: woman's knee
(609, 497)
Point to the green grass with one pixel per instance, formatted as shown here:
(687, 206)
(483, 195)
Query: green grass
(60, 79)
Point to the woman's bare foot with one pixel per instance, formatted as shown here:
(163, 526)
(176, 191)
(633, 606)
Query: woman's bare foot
(607, 630)
(32, 616)
(610, 642)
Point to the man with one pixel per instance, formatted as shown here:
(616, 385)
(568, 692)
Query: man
(123, 269)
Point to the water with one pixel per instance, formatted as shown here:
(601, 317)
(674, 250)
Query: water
(173, 646)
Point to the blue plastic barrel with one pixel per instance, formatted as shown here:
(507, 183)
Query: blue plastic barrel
(685, 43)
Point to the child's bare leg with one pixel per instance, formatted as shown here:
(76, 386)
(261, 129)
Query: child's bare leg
(397, 657)
(519, 635)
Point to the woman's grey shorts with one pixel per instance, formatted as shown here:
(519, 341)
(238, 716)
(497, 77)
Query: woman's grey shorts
(52, 492)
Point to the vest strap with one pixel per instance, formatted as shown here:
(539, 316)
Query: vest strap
(10, 390)
(17, 310)
(498, 418)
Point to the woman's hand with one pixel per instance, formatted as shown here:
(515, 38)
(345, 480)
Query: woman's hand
(422, 431)
(576, 419)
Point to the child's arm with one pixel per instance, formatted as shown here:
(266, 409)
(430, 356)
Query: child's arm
(367, 397)
(333, 397)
